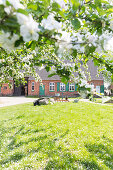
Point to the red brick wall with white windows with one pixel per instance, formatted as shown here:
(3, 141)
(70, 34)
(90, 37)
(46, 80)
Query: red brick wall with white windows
(34, 92)
(96, 82)
(47, 91)
(6, 90)
(52, 93)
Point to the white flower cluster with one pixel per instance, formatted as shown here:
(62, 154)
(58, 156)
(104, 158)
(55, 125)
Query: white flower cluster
(7, 41)
(28, 27)
(14, 3)
(63, 41)
(84, 83)
(61, 3)
(27, 58)
(106, 39)
(79, 48)
(91, 38)
(50, 23)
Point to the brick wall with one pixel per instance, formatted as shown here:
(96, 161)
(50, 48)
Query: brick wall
(52, 93)
(36, 88)
(6, 90)
(96, 82)
(49, 93)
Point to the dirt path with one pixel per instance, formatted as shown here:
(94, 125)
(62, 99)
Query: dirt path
(87, 100)
(8, 101)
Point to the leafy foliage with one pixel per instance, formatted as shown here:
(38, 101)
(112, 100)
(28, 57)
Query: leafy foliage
(72, 30)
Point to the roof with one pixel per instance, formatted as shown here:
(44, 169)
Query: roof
(91, 68)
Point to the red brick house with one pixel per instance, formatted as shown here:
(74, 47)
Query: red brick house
(52, 85)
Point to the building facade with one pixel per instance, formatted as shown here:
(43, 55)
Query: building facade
(52, 85)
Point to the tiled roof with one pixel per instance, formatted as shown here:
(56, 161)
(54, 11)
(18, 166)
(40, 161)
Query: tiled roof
(91, 68)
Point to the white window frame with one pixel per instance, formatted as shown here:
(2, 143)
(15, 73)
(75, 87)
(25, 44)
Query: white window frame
(92, 86)
(98, 89)
(52, 85)
(71, 85)
(33, 86)
(62, 85)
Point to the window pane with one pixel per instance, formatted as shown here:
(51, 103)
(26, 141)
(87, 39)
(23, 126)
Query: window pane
(33, 86)
(71, 86)
(51, 86)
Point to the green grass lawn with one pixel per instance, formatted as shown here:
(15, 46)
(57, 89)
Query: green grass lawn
(60, 136)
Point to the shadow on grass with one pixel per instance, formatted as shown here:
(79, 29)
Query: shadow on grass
(58, 156)
(102, 151)
(67, 161)
(13, 158)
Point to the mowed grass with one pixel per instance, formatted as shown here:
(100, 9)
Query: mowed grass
(60, 136)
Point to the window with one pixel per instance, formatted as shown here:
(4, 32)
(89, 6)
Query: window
(62, 87)
(33, 86)
(5, 87)
(92, 86)
(71, 87)
(51, 86)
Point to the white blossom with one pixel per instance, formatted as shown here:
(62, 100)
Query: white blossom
(42, 67)
(50, 23)
(29, 28)
(27, 58)
(109, 44)
(7, 10)
(111, 24)
(106, 39)
(16, 4)
(2, 2)
(61, 3)
(29, 32)
(7, 41)
(79, 48)
(92, 38)
(23, 19)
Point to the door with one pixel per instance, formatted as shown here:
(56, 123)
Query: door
(20, 90)
(42, 90)
(17, 91)
(98, 89)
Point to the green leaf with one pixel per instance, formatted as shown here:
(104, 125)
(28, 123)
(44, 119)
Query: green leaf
(89, 50)
(32, 6)
(48, 68)
(55, 6)
(64, 80)
(98, 3)
(112, 78)
(52, 74)
(11, 22)
(18, 42)
(33, 45)
(76, 23)
(22, 11)
(74, 53)
(75, 3)
(8, 3)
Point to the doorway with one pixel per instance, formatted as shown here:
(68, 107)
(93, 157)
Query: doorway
(98, 89)
(22, 89)
(42, 90)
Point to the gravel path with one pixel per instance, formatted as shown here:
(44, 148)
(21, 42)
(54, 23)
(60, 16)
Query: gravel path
(8, 101)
